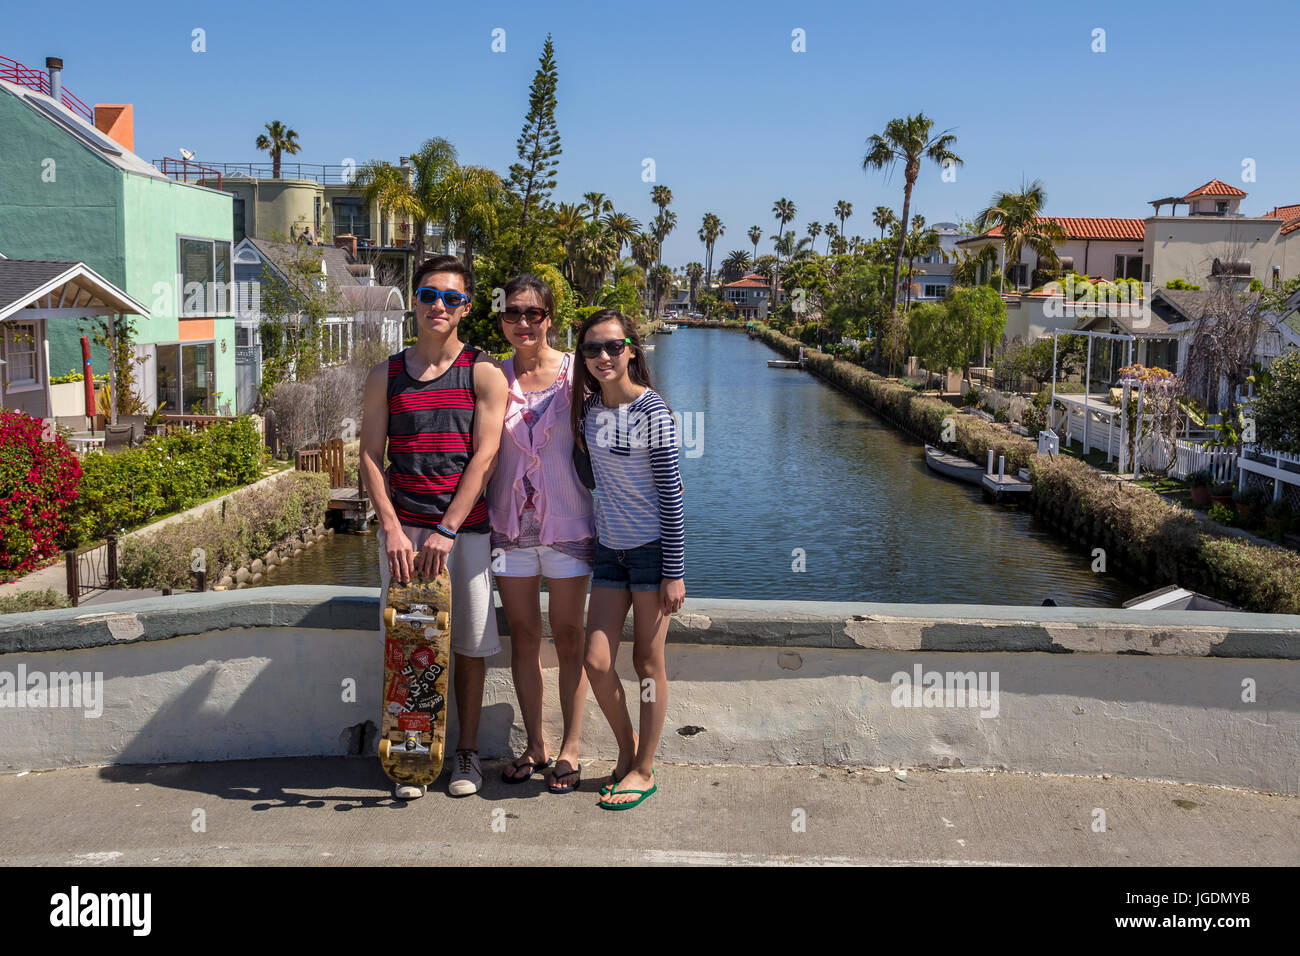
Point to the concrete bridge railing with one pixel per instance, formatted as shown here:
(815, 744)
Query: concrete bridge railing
(1195, 697)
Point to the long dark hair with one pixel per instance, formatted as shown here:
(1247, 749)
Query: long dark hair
(584, 383)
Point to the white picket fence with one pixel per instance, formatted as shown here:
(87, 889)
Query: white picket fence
(1195, 456)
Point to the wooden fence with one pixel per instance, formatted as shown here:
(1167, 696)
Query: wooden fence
(328, 458)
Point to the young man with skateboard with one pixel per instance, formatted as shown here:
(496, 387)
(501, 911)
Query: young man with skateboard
(438, 406)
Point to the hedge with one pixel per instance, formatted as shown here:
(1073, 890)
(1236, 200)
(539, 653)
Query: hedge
(1161, 542)
(166, 474)
(1140, 531)
(254, 523)
(921, 415)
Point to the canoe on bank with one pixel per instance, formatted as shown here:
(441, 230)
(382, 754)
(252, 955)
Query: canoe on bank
(952, 466)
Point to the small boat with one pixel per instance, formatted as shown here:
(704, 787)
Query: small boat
(1174, 598)
(953, 466)
(665, 330)
(783, 363)
(648, 347)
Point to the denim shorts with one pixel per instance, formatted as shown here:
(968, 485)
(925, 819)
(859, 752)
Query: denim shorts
(636, 569)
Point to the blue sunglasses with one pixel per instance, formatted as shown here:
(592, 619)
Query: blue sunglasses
(427, 295)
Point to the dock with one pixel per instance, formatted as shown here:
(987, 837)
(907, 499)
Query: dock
(999, 483)
(351, 504)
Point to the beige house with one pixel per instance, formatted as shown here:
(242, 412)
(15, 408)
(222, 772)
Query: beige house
(1214, 241)
(1100, 248)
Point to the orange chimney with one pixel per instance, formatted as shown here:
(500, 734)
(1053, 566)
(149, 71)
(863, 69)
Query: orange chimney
(348, 242)
(117, 121)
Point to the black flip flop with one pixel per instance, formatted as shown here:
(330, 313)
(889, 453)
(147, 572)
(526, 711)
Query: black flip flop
(569, 789)
(520, 765)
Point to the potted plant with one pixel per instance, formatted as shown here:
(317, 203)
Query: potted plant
(1221, 494)
(1250, 505)
(1277, 514)
(1199, 484)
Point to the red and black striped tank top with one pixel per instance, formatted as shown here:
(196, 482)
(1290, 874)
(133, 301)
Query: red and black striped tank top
(430, 441)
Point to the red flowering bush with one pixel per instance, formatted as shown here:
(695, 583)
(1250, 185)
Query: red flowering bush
(39, 476)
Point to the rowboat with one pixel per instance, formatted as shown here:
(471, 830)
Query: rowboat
(953, 466)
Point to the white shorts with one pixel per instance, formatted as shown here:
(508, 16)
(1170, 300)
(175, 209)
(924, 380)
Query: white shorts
(543, 559)
(473, 612)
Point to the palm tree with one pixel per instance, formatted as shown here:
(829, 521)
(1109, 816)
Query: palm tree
(664, 223)
(387, 187)
(784, 210)
(736, 265)
(883, 217)
(693, 272)
(907, 140)
(466, 200)
(622, 227)
(661, 280)
(278, 139)
(417, 194)
(597, 205)
(832, 231)
(919, 242)
(662, 197)
(856, 244)
(644, 249)
(843, 210)
(814, 230)
(1023, 226)
(711, 228)
(755, 233)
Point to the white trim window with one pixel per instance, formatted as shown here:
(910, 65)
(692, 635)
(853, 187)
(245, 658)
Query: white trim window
(935, 291)
(20, 354)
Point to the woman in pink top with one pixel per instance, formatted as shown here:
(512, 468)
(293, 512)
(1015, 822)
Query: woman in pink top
(542, 525)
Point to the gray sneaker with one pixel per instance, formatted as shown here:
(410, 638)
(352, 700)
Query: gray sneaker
(408, 791)
(467, 778)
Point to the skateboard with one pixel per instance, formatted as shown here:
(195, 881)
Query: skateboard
(417, 652)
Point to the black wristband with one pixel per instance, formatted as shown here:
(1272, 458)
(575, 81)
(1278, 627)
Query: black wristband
(444, 532)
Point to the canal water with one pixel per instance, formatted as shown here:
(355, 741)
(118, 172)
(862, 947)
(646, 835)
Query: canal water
(794, 491)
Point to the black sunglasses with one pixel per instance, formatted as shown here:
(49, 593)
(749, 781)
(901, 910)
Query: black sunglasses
(612, 348)
(427, 295)
(533, 315)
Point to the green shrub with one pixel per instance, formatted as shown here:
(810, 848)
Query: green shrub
(255, 522)
(40, 479)
(971, 398)
(26, 601)
(1199, 479)
(166, 474)
(1001, 415)
(1222, 514)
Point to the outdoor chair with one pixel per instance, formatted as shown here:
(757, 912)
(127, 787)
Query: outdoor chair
(118, 437)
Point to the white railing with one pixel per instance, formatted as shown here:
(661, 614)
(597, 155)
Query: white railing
(1192, 457)
(1278, 471)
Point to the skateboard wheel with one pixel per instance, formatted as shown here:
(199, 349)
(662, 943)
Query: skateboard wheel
(383, 748)
(442, 620)
(390, 616)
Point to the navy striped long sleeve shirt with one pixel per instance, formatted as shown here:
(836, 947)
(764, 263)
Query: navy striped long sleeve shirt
(638, 483)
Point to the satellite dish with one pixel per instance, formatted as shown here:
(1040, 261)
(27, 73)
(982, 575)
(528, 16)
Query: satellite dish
(186, 153)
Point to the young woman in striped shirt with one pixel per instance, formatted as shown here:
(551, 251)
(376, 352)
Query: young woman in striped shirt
(631, 437)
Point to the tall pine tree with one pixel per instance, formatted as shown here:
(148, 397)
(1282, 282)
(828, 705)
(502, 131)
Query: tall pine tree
(538, 146)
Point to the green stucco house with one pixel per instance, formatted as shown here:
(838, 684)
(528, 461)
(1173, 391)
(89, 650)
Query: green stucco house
(70, 192)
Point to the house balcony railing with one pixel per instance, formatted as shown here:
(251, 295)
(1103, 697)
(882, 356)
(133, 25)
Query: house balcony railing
(38, 80)
(325, 175)
(188, 171)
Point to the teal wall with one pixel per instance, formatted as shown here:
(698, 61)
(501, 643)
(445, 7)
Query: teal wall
(123, 225)
(156, 214)
(78, 216)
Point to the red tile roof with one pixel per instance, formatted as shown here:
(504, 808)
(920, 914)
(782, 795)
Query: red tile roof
(1290, 216)
(1215, 187)
(751, 281)
(1085, 227)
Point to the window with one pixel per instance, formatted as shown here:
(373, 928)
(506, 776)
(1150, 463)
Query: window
(240, 231)
(1146, 273)
(205, 277)
(185, 378)
(350, 218)
(935, 291)
(1277, 278)
(316, 216)
(1221, 206)
(20, 353)
(1128, 267)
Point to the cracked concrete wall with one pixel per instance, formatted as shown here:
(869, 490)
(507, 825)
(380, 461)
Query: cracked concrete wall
(747, 685)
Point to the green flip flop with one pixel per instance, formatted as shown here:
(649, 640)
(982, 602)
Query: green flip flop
(635, 803)
(609, 787)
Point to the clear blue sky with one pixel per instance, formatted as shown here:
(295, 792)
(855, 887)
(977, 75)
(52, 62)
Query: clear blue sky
(713, 92)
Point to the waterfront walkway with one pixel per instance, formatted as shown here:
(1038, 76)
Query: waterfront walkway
(339, 811)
